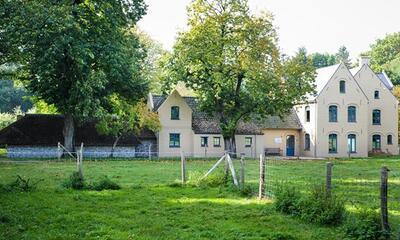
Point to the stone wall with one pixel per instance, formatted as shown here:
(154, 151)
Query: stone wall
(32, 152)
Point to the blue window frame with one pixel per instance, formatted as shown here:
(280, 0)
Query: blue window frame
(174, 113)
(352, 143)
(376, 117)
(342, 87)
(332, 143)
(376, 94)
(351, 114)
(332, 113)
(376, 142)
(174, 140)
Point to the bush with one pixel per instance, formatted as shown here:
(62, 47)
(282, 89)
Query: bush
(287, 199)
(105, 184)
(74, 181)
(321, 208)
(21, 185)
(364, 226)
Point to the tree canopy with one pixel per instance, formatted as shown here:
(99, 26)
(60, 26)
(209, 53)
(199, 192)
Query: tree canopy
(385, 56)
(320, 60)
(75, 54)
(343, 55)
(230, 58)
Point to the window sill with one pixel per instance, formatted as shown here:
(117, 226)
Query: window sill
(332, 152)
(307, 150)
(333, 122)
(217, 145)
(174, 146)
(248, 146)
(175, 119)
(376, 124)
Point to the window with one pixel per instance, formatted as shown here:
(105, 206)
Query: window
(217, 142)
(332, 143)
(248, 141)
(174, 113)
(307, 142)
(308, 114)
(376, 142)
(174, 140)
(332, 113)
(351, 114)
(342, 86)
(390, 140)
(204, 141)
(376, 94)
(376, 117)
(351, 143)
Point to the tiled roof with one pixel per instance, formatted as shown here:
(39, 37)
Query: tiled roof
(385, 80)
(204, 124)
(46, 130)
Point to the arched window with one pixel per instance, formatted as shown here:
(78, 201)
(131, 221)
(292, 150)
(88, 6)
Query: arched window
(332, 113)
(308, 114)
(376, 94)
(376, 142)
(351, 114)
(376, 117)
(390, 139)
(307, 142)
(174, 113)
(351, 143)
(342, 86)
(332, 143)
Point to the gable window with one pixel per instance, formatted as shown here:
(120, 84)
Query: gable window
(332, 113)
(204, 141)
(351, 143)
(376, 94)
(390, 140)
(351, 114)
(308, 114)
(333, 143)
(307, 142)
(217, 142)
(376, 142)
(342, 87)
(248, 141)
(174, 140)
(174, 113)
(376, 117)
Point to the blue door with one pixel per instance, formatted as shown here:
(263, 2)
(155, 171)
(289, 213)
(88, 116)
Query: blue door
(290, 142)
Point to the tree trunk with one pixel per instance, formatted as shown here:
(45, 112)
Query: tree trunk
(114, 146)
(68, 132)
(230, 145)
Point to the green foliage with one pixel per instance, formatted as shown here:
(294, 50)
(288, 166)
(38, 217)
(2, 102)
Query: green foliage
(281, 236)
(288, 199)
(385, 56)
(74, 181)
(215, 179)
(320, 60)
(321, 208)
(12, 96)
(6, 119)
(20, 185)
(230, 59)
(343, 55)
(104, 184)
(365, 225)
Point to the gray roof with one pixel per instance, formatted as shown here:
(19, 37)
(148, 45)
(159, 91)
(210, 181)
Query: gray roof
(385, 80)
(205, 124)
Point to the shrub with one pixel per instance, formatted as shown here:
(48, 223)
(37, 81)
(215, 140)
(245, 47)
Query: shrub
(74, 181)
(364, 226)
(105, 184)
(21, 185)
(287, 199)
(321, 208)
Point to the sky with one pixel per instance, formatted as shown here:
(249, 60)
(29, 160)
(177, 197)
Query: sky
(318, 25)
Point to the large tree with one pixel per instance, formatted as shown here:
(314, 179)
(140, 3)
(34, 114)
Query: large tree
(320, 60)
(343, 55)
(385, 56)
(230, 58)
(75, 53)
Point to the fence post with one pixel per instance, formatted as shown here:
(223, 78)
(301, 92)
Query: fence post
(384, 197)
(183, 168)
(150, 151)
(226, 167)
(79, 159)
(329, 166)
(261, 189)
(241, 176)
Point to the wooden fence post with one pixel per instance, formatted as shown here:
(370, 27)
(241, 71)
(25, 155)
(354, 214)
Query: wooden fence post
(384, 197)
(226, 167)
(183, 168)
(261, 189)
(79, 159)
(150, 152)
(241, 176)
(329, 166)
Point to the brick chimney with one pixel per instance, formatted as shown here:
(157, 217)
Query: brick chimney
(364, 60)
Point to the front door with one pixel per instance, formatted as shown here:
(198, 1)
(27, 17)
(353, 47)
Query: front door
(290, 142)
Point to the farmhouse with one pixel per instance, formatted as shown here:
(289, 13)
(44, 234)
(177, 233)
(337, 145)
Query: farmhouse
(353, 112)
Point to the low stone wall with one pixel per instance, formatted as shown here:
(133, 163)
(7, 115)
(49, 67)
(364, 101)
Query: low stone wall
(32, 152)
(104, 152)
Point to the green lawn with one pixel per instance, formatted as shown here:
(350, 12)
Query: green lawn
(150, 206)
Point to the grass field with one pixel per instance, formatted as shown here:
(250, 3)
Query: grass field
(151, 206)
